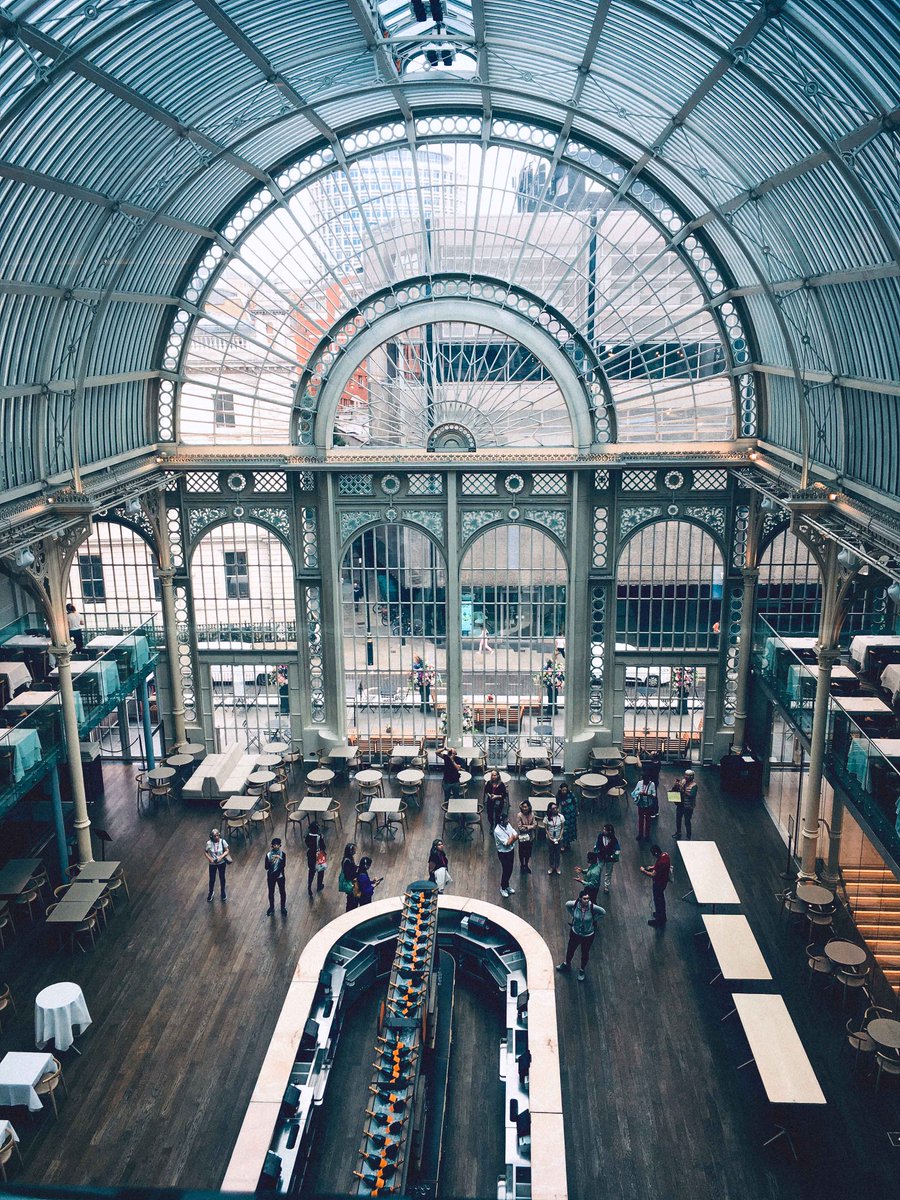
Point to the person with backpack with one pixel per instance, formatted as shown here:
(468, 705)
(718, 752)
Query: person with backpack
(274, 863)
(583, 916)
(315, 859)
(347, 876)
(644, 796)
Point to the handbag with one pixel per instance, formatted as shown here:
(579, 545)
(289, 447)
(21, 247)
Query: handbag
(525, 836)
(344, 884)
(228, 859)
(321, 860)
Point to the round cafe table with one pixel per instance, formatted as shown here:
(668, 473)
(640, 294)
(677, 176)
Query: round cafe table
(592, 780)
(160, 775)
(505, 776)
(261, 778)
(814, 894)
(370, 775)
(268, 760)
(57, 1010)
(845, 954)
(192, 748)
(539, 776)
(278, 748)
(179, 760)
(322, 776)
(885, 1032)
(410, 775)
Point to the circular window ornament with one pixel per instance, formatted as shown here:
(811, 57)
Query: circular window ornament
(673, 480)
(672, 510)
(451, 437)
(391, 514)
(238, 511)
(514, 514)
(514, 484)
(236, 482)
(390, 485)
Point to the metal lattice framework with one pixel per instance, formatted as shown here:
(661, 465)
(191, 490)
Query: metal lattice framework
(133, 135)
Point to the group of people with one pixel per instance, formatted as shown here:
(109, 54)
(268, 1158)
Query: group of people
(646, 797)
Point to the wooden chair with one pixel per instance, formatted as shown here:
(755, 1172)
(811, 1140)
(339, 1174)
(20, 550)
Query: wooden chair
(161, 793)
(412, 794)
(240, 824)
(6, 1000)
(294, 817)
(851, 981)
(261, 815)
(616, 794)
(476, 821)
(818, 963)
(859, 1041)
(101, 908)
(142, 791)
(6, 1151)
(28, 897)
(332, 816)
(365, 820)
(47, 1084)
(5, 919)
(40, 879)
(117, 884)
(82, 929)
(397, 820)
(889, 1063)
(73, 871)
(278, 791)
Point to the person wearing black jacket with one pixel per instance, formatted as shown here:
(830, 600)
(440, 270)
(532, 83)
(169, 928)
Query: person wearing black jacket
(274, 863)
(315, 845)
(650, 774)
(348, 870)
(608, 852)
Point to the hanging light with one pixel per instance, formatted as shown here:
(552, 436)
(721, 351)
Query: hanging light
(848, 559)
(767, 504)
(893, 593)
(133, 506)
(24, 558)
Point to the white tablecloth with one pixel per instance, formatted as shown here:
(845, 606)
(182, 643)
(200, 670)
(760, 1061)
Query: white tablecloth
(6, 1127)
(860, 646)
(19, 1072)
(16, 674)
(890, 679)
(56, 1010)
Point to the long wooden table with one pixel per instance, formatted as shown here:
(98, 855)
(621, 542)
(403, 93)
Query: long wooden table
(15, 875)
(735, 947)
(785, 1071)
(710, 881)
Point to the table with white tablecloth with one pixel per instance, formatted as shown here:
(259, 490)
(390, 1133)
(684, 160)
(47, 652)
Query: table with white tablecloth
(16, 674)
(29, 701)
(19, 1072)
(861, 645)
(135, 644)
(890, 680)
(104, 671)
(58, 1009)
(24, 748)
(863, 750)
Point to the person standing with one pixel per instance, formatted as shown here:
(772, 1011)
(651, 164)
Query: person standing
(76, 626)
(452, 768)
(365, 884)
(583, 917)
(496, 796)
(347, 876)
(274, 863)
(315, 859)
(644, 796)
(526, 827)
(660, 873)
(608, 852)
(687, 788)
(438, 862)
(589, 876)
(650, 774)
(505, 838)
(549, 677)
(565, 801)
(218, 858)
(554, 824)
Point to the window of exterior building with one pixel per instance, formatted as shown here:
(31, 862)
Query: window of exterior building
(223, 409)
(237, 578)
(90, 567)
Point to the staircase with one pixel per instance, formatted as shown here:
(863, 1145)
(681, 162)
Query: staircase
(874, 896)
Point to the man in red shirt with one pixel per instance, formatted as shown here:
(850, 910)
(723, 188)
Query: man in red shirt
(659, 873)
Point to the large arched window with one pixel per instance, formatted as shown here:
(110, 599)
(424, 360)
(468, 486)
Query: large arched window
(393, 603)
(459, 209)
(513, 584)
(244, 609)
(789, 592)
(112, 583)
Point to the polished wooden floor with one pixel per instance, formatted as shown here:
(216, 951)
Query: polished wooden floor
(185, 994)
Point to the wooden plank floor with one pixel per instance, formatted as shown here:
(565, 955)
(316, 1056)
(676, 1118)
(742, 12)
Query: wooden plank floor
(185, 995)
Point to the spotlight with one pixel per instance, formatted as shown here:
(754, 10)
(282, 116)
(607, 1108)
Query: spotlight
(832, 496)
(848, 559)
(133, 507)
(753, 455)
(893, 593)
(767, 504)
(24, 558)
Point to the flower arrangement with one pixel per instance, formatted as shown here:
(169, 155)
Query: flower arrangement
(422, 674)
(552, 676)
(468, 721)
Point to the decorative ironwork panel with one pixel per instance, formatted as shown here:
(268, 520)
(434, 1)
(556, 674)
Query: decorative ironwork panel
(199, 518)
(710, 481)
(550, 484)
(185, 661)
(278, 518)
(310, 533)
(741, 533)
(599, 546)
(176, 543)
(773, 522)
(432, 520)
(729, 691)
(350, 520)
(601, 480)
(354, 485)
(473, 520)
(630, 518)
(712, 515)
(598, 652)
(638, 481)
(306, 481)
(746, 386)
(425, 485)
(206, 482)
(479, 483)
(554, 519)
(315, 657)
(165, 410)
(270, 481)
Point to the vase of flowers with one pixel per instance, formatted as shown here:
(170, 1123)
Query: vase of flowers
(422, 677)
(551, 678)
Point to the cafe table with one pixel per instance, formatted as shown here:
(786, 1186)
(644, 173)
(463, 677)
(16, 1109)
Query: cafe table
(708, 875)
(29, 701)
(191, 748)
(460, 807)
(814, 894)
(592, 780)
(267, 761)
(236, 806)
(23, 747)
(97, 870)
(505, 776)
(844, 954)
(88, 890)
(261, 778)
(179, 761)
(19, 1072)
(348, 753)
(278, 748)
(736, 949)
(885, 1033)
(323, 776)
(70, 912)
(315, 804)
(410, 775)
(58, 1009)
(539, 776)
(136, 645)
(369, 776)
(160, 775)
(385, 806)
(16, 674)
(405, 751)
(14, 876)
(104, 670)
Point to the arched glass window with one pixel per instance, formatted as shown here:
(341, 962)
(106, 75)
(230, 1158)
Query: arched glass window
(393, 601)
(112, 582)
(789, 592)
(513, 585)
(243, 589)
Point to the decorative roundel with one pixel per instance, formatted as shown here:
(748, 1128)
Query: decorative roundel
(238, 511)
(514, 484)
(236, 482)
(392, 514)
(451, 437)
(390, 485)
(673, 480)
(513, 514)
(672, 510)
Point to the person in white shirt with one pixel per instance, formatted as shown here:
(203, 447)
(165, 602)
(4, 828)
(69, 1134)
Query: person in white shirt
(76, 626)
(217, 857)
(554, 824)
(505, 838)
